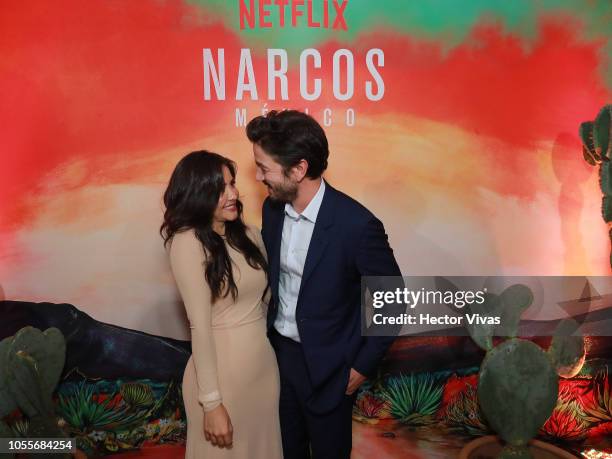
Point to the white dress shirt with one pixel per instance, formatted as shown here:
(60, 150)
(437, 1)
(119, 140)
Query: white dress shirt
(297, 233)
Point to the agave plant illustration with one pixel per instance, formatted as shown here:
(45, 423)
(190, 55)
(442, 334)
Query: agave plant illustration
(85, 414)
(20, 427)
(463, 414)
(601, 409)
(567, 421)
(370, 406)
(414, 399)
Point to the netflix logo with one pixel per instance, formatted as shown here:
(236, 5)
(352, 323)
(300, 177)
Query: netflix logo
(324, 14)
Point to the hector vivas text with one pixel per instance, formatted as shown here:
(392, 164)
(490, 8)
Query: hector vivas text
(412, 299)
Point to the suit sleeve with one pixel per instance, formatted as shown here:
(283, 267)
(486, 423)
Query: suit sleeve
(256, 237)
(265, 209)
(375, 258)
(187, 263)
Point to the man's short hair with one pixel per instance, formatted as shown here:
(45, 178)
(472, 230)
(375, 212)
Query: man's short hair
(290, 136)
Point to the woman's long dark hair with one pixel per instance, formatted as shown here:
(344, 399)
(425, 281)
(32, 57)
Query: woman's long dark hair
(191, 199)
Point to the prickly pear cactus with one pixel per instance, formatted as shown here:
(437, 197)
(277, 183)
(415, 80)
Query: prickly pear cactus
(567, 350)
(597, 150)
(514, 301)
(508, 306)
(601, 132)
(6, 432)
(31, 364)
(605, 183)
(7, 401)
(518, 383)
(517, 390)
(48, 349)
(35, 362)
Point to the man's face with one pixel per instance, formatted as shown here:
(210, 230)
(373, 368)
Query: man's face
(281, 187)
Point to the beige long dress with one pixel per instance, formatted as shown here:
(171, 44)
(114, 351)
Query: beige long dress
(232, 362)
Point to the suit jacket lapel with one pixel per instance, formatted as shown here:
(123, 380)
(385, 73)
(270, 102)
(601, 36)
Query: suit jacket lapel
(320, 235)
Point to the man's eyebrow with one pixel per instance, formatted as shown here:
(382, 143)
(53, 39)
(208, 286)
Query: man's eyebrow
(260, 164)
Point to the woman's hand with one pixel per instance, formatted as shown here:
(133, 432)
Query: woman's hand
(218, 427)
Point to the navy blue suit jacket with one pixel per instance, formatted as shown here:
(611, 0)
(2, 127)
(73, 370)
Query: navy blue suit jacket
(348, 242)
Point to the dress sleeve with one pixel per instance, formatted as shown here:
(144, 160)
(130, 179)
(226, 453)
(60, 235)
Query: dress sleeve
(187, 264)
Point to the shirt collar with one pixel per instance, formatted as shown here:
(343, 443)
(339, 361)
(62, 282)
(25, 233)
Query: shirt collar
(312, 209)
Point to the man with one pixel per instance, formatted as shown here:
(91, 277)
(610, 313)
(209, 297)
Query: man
(320, 243)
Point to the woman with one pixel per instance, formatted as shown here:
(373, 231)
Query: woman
(231, 382)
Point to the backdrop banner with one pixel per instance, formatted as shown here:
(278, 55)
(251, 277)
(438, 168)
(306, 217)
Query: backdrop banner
(456, 123)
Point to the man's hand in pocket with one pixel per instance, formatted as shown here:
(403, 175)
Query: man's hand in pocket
(356, 379)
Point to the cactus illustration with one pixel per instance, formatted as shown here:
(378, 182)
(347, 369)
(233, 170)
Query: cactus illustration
(597, 150)
(137, 394)
(31, 364)
(519, 381)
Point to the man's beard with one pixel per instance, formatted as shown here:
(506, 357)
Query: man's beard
(282, 192)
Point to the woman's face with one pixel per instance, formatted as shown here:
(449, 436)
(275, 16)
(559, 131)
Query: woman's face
(227, 210)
